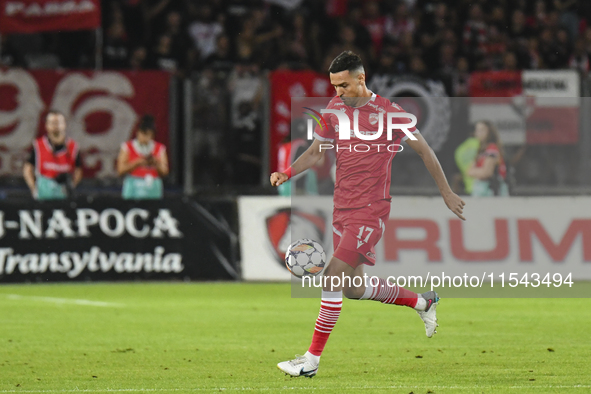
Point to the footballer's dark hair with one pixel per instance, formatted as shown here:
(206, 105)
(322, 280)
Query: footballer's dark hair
(147, 124)
(346, 61)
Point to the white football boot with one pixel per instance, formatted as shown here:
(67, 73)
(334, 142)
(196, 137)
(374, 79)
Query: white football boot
(300, 366)
(429, 315)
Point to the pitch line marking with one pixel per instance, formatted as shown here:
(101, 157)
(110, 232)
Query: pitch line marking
(72, 301)
(298, 388)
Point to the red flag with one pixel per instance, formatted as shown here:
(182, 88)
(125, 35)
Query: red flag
(32, 16)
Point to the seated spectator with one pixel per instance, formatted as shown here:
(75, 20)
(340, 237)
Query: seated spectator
(375, 23)
(475, 35)
(509, 62)
(137, 60)
(116, 47)
(400, 23)
(204, 31)
(162, 57)
(579, 60)
(518, 29)
(221, 59)
(461, 78)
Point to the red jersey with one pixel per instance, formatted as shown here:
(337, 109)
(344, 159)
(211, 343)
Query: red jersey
(134, 153)
(363, 176)
(49, 163)
(492, 150)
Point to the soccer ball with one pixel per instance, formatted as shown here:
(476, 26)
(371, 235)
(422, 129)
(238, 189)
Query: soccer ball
(305, 257)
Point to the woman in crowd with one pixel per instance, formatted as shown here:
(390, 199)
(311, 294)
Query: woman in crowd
(488, 170)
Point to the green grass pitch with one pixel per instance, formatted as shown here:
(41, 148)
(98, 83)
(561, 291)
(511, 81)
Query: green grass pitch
(228, 337)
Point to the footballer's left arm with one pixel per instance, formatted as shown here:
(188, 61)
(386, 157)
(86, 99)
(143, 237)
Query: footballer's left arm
(452, 200)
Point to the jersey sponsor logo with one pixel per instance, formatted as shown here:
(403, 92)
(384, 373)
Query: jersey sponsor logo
(371, 255)
(48, 165)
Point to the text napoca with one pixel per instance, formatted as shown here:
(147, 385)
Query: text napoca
(85, 222)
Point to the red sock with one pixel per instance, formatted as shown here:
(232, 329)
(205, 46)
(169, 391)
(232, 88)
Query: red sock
(330, 309)
(390, 294)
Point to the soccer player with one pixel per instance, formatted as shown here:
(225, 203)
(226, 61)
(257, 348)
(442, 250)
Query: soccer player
(54, 167)
(361, 204)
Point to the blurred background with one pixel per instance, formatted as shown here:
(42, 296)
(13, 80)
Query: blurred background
(227, 67)
(218, 77)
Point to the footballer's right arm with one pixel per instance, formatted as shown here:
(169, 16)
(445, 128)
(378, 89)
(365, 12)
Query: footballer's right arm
(308, 159)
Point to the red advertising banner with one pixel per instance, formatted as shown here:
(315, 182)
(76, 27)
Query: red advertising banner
(529, 107)
(285, 85)
(495, 84)
(102, 110)
(31, 16)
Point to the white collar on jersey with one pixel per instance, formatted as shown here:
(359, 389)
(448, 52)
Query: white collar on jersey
(144, 150)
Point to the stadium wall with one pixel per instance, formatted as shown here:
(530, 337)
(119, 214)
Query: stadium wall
(516, 234)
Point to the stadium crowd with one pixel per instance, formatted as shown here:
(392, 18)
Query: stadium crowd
(421, 37)
(226, 45)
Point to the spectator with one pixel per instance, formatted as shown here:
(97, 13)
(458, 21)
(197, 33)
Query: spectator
(355, 20)
(447, 59)
(54, 167)
(302, 50)
(174, 29)
(495, 48)
(267, 43)
(510, 62)
(549, 50)
(488, 170)
(143, 162)
(347, 41)
(474, 36)
(568, 16)
(539, 19)
(534, 59)
(138, 58)
(221, 59)
(205, 30)
(461, 78)
(464, 156)
(437, 20)
(162, 57)
(579, 60)
(564, 48)
(518, 29)
(375, 23)
(401, 23)
(498, 19)
(116, 46)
